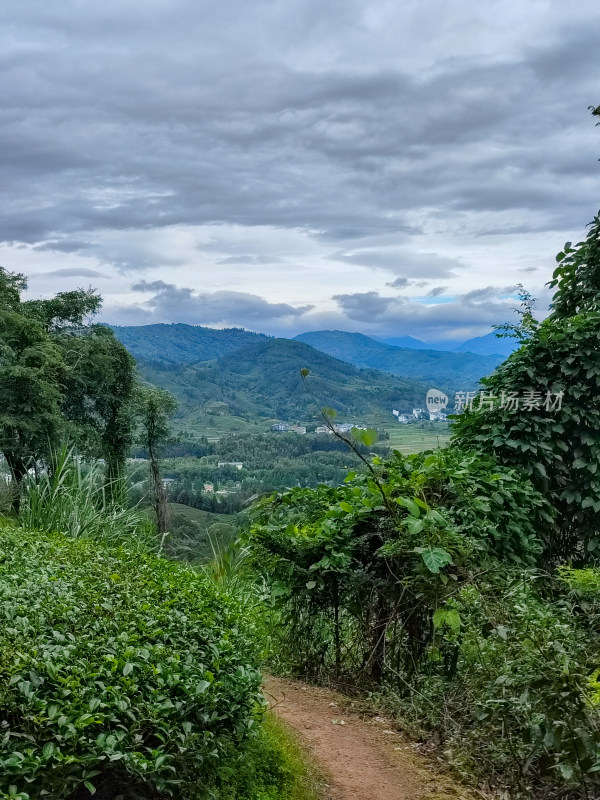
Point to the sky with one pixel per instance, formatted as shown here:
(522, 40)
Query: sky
(383, 167)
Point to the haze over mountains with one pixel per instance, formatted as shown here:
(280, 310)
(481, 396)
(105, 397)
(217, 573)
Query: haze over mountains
(455, 370)
(486, 345)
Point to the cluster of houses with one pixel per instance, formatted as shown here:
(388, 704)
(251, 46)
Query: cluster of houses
(420, 414)
(336, 427)
(339, 427)
(209, 488)
(284, 427)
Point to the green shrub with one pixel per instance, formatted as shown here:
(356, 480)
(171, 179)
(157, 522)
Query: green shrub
(558, 448)
(519, 710)
(117, 667)
(344, 566)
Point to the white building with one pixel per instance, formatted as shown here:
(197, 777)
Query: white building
(405, 418)
(437, 416)
(236, 464)
(280, 427)
(342, 427)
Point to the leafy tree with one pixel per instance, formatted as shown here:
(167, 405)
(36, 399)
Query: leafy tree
(98, 403)
(32, 373)
(342, 560)
(154, 408)
(60, 376)
(527, 323)
(554, 437)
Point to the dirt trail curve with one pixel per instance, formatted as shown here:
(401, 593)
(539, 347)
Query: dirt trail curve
(360, 758)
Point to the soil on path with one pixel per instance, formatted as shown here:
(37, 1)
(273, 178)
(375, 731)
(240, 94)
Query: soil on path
(360, 757)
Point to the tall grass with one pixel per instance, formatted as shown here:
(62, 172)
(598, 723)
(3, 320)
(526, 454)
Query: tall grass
(230, 565)
(71, 496)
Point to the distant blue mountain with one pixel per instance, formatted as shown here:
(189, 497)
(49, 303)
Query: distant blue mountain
(488, 345)
(406, 341)
(456, 371)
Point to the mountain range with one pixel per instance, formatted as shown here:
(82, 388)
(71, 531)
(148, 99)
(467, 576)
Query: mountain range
(459, 371)
(262, 380)
(487, 345)
(250, 375)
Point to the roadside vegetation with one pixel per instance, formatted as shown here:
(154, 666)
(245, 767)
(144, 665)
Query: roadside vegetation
(459, 588)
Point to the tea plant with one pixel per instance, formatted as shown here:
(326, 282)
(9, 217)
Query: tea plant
(117, 666)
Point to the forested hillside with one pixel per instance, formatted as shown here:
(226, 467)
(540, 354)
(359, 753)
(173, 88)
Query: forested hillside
(181, 344)
(262, 381)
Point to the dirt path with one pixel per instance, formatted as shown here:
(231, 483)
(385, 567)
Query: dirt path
(361, 758)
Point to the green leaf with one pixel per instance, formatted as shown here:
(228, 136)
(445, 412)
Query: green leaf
(48, 750)
(311, 584)
(453, 619)
(330, 413)
(439, 617)
(128, 668)
(449, 617)
(368, 437)
(434, 558)
(409, 504)
(305, 372)
(90, 787)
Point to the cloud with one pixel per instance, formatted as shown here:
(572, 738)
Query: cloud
(403, 262)
(222, 308)
(436, 291)
(251, 260)
(75, 272)
(460, 318)
(487, 293)
(393, 141)
(365, 306)
(398, 283)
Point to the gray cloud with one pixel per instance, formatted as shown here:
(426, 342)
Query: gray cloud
(398, 283)
(403, 262)
(436, 291)
(365, 306)
(462, 317)
(75, 272)
(205, 118)
(487, 293)
(381, 130)
(170, 302)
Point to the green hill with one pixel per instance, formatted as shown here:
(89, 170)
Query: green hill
(182, 344)
(459, 371)
(262, 380)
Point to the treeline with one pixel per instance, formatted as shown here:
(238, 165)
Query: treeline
(254, 449)
(269, 463)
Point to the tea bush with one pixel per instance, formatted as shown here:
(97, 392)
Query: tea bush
(117, 668)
